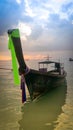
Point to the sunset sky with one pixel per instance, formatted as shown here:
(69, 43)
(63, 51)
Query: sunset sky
(45, 25)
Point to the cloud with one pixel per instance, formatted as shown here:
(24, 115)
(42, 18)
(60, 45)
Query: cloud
(18, 1)
(44, 25)
(3, 43)
(24, 28)
(29, 11)
(10, 14)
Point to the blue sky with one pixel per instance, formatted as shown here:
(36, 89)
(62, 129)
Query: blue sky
(44, 24)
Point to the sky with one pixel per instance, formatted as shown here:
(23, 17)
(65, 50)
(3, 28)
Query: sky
(45, 25)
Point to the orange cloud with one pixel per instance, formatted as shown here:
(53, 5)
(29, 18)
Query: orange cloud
(34, 57)
(3, 57)
(26, 57)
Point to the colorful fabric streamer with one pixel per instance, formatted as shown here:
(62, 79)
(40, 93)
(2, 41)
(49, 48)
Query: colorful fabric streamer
(23, 88)
(14, 61)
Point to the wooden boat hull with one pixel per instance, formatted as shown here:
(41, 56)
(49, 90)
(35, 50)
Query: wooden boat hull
(39, 82)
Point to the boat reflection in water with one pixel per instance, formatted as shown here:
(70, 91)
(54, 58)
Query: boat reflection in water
(42, 113)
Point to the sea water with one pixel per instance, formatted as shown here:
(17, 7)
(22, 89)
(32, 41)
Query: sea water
(53, 111)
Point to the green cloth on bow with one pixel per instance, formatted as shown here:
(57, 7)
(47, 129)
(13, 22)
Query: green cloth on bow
(15, 33)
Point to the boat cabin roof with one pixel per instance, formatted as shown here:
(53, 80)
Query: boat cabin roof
(48, 62)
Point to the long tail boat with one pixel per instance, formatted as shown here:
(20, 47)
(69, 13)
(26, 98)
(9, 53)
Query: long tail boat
(70, 59)
(38, 81)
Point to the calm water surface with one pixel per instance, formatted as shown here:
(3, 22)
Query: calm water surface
(53, 111)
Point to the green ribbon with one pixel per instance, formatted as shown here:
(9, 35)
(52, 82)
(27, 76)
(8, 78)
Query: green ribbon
(13, 55)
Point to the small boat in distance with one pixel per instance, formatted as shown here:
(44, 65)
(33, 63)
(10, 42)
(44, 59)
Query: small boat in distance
(70, 59)
(38, 81)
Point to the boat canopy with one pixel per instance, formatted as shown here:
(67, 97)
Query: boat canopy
(48, 62)
(58, 66)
